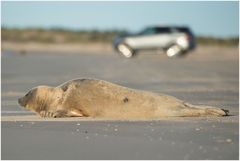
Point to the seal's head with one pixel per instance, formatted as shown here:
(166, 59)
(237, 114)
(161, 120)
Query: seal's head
(27, 100)
(40, 98)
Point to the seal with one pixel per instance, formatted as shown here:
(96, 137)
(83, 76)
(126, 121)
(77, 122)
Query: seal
(102, 99)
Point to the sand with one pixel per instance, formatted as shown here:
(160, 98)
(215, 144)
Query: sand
(206, 76)
(57, 48)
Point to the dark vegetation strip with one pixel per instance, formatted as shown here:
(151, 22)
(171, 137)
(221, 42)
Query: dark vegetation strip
(58, 35)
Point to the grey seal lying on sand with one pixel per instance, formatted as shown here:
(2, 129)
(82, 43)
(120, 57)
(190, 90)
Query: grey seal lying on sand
(101, 99)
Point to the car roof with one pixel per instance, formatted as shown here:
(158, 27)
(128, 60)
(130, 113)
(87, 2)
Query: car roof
(172, 27)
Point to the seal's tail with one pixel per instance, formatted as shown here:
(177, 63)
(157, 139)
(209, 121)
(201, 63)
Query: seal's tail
(199, 110)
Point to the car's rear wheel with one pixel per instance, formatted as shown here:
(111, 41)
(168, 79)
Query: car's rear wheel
(125, 50)
(174, 50)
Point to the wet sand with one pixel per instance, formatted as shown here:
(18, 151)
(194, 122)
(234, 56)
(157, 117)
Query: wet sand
(207, 76)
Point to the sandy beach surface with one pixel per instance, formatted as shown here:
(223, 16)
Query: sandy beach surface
(206, 76)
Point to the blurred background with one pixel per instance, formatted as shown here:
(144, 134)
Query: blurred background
(53, 42)
(95, 24)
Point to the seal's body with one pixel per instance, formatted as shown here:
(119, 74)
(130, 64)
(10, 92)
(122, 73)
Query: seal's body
(101, 99)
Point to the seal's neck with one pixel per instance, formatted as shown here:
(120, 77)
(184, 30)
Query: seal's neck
(49, 99)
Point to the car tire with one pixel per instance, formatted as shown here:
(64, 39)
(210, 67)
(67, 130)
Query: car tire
(125, 50)
(174, 51)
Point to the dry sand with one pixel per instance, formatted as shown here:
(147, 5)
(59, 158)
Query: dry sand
(207, 76)
(199, 139)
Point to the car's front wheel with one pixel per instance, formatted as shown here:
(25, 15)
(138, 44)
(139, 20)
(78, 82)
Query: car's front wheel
(174, 50)
(125, 50)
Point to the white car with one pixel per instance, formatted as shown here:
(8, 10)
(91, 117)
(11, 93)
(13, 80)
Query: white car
(175, 41)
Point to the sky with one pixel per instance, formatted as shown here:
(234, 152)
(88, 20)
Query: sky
(218, 19)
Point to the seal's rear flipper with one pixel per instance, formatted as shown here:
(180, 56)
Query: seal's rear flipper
(226, 112)
(199, 110)
(216, 112)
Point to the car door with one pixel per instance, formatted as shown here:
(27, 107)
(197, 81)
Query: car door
(142, 40)
(149, 38)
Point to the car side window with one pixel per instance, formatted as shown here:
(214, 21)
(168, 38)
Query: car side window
(163, 30)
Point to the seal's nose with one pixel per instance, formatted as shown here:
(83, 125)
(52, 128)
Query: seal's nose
(19, 101)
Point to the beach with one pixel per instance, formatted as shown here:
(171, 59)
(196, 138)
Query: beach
(207, 76)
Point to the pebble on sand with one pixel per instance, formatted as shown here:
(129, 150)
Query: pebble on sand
(228, 140)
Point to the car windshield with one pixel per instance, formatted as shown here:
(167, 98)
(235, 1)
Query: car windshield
(148, 31)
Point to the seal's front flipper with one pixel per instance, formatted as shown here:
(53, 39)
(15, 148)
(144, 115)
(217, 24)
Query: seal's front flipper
(48, 114)
(75, 113)
(62, 113)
